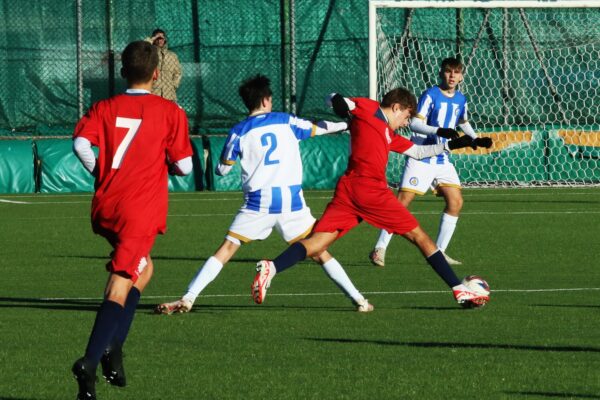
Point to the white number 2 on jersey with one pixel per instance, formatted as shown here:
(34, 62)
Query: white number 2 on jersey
(132, 126)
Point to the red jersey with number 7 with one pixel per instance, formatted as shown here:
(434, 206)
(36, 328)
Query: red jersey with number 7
(136, 134)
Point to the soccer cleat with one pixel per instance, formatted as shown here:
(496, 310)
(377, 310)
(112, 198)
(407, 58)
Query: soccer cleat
(377, 256)
(363, 306)
(450, 260)
(265, 270)
(178, 306)
(112, 366)
(86, 379)
(469, 299)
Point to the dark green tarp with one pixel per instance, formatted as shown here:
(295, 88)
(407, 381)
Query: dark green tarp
(16, 166)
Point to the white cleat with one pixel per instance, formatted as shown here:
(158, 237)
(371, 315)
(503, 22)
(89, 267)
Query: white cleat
(178, 306)
(469, 299)
(363, 306)
(377, 256)
(265, 270)
(451, 260)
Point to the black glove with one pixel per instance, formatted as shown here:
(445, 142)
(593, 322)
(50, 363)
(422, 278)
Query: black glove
(340, 107)
(482, 142)
(172, 169)
(463, 141)
(447, 133)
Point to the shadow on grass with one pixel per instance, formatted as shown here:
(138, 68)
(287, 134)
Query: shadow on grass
(555, 394)
(93, 304)
(253, 261)
(57, 304)
(445, 308)
(18, 398)
(217, 308)
(567, 305)
(577, 349)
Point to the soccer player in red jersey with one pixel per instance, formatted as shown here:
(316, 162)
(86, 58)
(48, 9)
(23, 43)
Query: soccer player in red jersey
(140, 138)
(362, 192)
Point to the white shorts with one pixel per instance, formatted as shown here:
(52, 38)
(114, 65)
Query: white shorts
(251, 225)
(418, 176)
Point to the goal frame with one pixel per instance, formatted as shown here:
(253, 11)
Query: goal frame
(374, 5)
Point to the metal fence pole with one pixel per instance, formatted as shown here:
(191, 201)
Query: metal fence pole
(285, 40)
(293, 57)
(111, 51)
(79, 59)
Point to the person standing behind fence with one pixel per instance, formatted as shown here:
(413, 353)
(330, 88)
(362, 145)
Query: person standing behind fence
(168, 65)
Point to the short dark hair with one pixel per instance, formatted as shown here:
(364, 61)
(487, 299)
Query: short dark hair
(139, 60)
(400, 96)
(157, 31)
(253, 90)
(452, 62)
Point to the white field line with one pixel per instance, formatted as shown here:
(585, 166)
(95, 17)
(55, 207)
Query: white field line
(437, 212)
(559, 212)
(13, 201)
(237, 196)
(405, 292)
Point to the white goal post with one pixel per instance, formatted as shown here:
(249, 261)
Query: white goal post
(532, 79)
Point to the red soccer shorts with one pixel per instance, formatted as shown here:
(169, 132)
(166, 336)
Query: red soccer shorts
(359, 198)
(130, 254)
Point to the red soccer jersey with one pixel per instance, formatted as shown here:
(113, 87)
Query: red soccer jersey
(371, 140)
(136, 134)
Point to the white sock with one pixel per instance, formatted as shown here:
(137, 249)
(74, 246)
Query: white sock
(384, 239)
(334, 270)
(447, 227)
(209, 271)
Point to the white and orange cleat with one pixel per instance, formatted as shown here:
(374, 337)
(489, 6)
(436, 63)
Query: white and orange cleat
(178, 306)
(377, 256)
(363, 306)
(265, 271)
(468, 298)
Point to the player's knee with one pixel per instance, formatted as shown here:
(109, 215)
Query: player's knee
(405, 198)
(116, 296)
(418, 237)
(454, 206)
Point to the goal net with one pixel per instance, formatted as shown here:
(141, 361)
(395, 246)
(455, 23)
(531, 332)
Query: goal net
(532, 80)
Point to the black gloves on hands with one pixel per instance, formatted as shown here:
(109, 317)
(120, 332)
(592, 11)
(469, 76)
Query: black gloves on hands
(461, 142)
(466, 141)
(340, 107)
(482, 142)
(172, 169)
(447, 133)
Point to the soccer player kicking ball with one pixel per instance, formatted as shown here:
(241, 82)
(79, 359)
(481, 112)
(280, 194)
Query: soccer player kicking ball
(362, 192)
(139, 137)
(267, 144)
(440, 109)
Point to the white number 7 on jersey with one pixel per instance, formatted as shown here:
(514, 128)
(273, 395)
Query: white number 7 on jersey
(132, 125)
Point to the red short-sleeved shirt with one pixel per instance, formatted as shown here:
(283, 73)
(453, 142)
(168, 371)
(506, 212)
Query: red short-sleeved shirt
(371, 140)
(362, 193)
(135, 133)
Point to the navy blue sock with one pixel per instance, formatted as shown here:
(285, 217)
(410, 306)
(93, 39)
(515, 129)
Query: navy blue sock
(441, 267)
(126, 320)
(105, 326)
(292, 255)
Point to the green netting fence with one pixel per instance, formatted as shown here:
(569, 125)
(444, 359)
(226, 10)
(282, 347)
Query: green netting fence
(60, 56)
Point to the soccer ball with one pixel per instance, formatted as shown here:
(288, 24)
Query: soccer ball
(477, 284)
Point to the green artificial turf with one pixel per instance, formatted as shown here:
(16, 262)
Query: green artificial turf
(538, 338)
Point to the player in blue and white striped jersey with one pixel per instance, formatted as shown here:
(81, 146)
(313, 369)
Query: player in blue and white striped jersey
(439, 111)
(266, 144)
